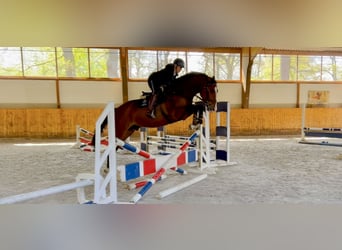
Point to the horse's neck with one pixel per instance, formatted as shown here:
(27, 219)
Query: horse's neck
(187, 91)
(188, 95)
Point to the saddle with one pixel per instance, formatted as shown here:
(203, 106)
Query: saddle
(145, 96)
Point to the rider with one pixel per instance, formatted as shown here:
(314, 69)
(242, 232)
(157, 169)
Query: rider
(161, 79)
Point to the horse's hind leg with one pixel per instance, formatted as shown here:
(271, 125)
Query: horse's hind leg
(131, 130)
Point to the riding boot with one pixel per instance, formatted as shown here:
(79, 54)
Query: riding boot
(151, 105)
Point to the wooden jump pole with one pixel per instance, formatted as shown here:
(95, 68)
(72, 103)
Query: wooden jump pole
(181, 186)
(45, 192)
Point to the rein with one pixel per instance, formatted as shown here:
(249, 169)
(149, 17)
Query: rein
(204, 99)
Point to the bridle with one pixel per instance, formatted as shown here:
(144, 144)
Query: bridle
(204, 93)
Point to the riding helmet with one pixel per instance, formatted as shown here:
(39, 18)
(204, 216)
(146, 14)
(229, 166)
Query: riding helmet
(179, 62)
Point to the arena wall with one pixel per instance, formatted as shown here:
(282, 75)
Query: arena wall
(18, 93)
(28, 108)
(61, 123)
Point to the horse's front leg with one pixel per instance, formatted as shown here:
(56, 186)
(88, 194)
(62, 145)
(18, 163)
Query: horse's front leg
(103, 126)
(197, 117)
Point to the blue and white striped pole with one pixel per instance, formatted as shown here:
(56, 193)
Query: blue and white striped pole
(133, 149)
(162, 170)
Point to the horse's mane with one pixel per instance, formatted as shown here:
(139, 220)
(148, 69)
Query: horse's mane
(189, 75)
(190, 83)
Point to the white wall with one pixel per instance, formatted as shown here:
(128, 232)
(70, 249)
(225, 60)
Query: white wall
(284, 95)
(135, 89)
(27, 93)
(230, 93)
(42, 93)
(335, 92)
(89, 93)
(273, 95)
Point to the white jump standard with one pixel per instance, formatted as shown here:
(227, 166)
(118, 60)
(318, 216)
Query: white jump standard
(307, 132)
(105, 189)
(222, 132)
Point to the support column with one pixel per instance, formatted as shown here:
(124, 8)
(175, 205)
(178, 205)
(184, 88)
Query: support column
(124, 72)
(248, 55)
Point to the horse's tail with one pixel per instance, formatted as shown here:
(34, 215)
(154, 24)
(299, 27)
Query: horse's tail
(103, 125)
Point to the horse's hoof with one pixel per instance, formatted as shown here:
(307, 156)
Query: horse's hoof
(194, 127)
(104, 171)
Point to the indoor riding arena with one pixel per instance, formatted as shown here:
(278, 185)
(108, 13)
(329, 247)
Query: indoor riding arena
(281, 123)
(171, 125)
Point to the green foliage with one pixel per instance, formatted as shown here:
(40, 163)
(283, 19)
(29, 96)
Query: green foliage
(105, 63)
(59, 62)
(80, 60)
(39, 61)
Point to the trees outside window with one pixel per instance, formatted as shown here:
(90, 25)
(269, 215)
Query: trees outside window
(39, 61)
(10, 61)
(60, 62)
(224, 66)
(105, 63)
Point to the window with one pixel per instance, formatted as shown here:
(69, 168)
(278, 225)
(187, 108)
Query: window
(279, 67)
(165, 57)
(284, 68)
(201, 62)
(224, 66)
(141, 63)
(262, 67)
(309, 68)
(10, 61)
(73, 62)
(83, 62)
(104, 63)
(66, 62)
(39, 61)
(331, 68)
(227, 66)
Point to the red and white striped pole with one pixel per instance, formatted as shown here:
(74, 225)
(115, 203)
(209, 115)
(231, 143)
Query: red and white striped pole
(162, 170)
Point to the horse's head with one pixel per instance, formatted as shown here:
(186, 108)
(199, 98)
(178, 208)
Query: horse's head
(194, 83)
(208, 93)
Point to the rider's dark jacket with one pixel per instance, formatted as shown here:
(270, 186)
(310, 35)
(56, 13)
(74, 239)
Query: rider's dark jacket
(162, 77)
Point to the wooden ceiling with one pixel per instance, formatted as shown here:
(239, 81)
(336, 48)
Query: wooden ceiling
(272, 24)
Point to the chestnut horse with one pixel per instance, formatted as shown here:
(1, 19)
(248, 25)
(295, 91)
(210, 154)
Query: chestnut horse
(175, 105)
